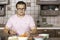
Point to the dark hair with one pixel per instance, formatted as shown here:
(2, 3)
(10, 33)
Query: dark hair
(21, 2)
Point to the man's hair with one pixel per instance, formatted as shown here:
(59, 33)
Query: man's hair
(21, 2)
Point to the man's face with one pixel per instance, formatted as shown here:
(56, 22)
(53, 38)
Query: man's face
(21, 9)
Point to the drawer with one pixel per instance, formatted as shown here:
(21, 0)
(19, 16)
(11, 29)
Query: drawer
(48, 31)
(57, 33)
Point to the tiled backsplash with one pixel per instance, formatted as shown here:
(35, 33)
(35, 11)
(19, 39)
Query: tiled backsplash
(55, 21)
(32, 9)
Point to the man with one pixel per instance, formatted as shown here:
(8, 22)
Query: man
(20, 23)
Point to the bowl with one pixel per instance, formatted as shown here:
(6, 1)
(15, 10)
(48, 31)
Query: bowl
(35, 38)
(22, 38)
(13, 38)
(17, 38)
(44, 35)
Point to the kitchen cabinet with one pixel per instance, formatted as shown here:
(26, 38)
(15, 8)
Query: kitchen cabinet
(57, 33)
(2, 10)
(3, 36)
(47, 2)
(50, 10)
(4, 1)
(49, 7)
(51, 32)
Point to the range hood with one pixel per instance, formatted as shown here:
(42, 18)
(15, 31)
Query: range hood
(3, 2)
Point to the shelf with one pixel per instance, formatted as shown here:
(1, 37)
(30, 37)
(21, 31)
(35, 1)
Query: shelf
(41, 2)
(48, 27)
(49, 13)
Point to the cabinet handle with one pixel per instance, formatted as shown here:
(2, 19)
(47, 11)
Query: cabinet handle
(45, 30)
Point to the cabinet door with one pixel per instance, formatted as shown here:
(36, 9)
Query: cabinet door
(48, 31)
(57, 33)
(4, 1)
(47, 1)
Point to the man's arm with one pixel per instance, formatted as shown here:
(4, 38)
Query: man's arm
(8, 31)
(33, 26)
(33, 30)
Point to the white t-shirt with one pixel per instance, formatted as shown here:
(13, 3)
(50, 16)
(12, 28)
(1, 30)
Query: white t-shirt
(20, 25)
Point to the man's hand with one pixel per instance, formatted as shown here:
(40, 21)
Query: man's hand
(34, 30)
(12, 32)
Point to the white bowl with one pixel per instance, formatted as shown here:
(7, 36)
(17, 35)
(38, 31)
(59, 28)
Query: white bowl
(44, 35)
(38, 38)
(22, 38)
(17, 38)
(13, 38)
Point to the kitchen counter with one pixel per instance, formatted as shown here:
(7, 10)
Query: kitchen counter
(48, 27)
(40, 28)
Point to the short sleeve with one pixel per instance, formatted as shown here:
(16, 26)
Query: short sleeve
(32, 23)
(9, 23)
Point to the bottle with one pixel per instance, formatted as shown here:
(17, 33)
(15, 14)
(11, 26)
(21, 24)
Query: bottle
(56, 9)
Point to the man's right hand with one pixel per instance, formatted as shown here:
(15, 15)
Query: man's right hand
(12, 32)
(8, 31)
